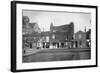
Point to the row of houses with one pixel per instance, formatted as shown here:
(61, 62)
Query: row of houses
(58, 37)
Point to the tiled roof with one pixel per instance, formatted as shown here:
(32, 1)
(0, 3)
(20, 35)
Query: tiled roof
(32, 25)
(61, 27)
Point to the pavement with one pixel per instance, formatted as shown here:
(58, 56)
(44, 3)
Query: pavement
(59, 54)
(30, 51)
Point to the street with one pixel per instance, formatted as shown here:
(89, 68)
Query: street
(58, 55)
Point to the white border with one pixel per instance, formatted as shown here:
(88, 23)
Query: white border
(35, 65)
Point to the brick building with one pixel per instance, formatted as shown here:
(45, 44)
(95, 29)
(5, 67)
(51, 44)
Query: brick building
(58, 36)
(30, 33)
(80, 39)
(61, 36)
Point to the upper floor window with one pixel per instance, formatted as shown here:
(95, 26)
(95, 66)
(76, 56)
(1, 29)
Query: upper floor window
(53, 36)
(47, 38)
(80, 36)
(54, 31)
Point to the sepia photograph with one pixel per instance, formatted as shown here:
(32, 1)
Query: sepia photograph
(55, 36)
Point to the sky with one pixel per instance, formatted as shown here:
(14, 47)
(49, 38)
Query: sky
(45, 18)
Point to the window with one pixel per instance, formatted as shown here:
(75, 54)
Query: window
(80, 42)
(47, 38)
(80, 36)
(54, 31)
(53, 36)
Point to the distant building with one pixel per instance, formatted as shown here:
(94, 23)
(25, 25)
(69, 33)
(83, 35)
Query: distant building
(61, 36)
(45, 39)
(80, 39)
(58, 36)
(30, 33)
(88, 37)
